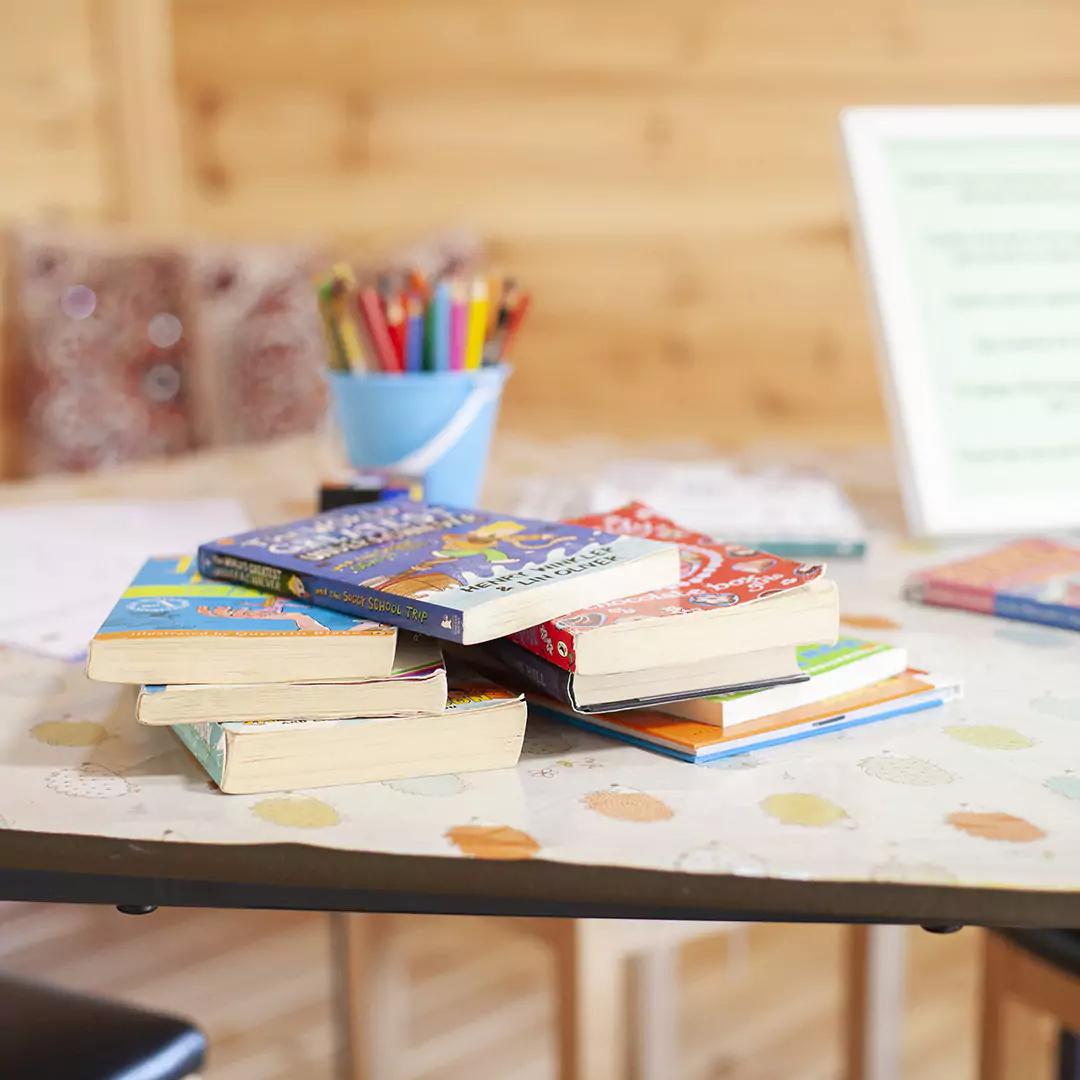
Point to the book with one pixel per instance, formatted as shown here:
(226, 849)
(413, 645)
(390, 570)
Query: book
(482, 727)
(717, 608)
(646, 687)
(462, 575)
(171, 625)
(829, 670)
(1031, 580)
(417, 684)
(690, 741)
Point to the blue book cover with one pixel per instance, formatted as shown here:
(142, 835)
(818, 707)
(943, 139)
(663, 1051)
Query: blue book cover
(462, 575)
(170, 598)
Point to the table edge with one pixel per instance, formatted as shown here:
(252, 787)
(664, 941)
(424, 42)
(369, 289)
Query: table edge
(65, 868)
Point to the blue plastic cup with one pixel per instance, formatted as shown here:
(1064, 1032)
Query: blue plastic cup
(437, 425)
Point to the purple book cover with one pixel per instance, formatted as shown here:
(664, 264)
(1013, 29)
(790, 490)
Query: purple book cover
(413, 565)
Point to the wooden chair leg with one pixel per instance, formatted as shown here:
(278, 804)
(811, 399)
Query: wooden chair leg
(590, 1003)
(368, 993)
(875, 998)
(654, 1014)
(993, 1049)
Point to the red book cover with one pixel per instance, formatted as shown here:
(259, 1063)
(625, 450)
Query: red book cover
(711, 575)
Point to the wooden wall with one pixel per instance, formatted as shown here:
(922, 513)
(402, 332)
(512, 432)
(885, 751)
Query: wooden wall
(665, 176)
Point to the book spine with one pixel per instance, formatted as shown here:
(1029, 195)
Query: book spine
(535, 672)
(207, 745)
(934, 591)
(329, 592)
(550, 643)
(1010, 606)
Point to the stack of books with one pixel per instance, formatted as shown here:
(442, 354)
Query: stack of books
(305, 654)
(270, 693)
(743, 653)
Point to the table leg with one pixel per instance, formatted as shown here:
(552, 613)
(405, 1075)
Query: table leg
(369, 996)
(654, 1014)
(875, 999)
(591, 1002)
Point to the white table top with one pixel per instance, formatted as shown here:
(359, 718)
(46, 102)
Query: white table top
(983, 792)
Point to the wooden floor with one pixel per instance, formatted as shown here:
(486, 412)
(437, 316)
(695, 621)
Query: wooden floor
(762, 1004)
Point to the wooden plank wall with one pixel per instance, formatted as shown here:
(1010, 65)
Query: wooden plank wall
(665, 176)
(51, 113)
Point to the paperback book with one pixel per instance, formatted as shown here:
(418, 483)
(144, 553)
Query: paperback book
(717, 607)
(482, 727)
(417, 684)
(461, 575)
(828, 670)
(1031, 580)
(514, 665)
(688, 740)
(172, 625)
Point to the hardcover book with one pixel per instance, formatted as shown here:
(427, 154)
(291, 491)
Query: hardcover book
(482, 727)
(462, 575)
(688, 740)
(1031, 580)
(717, 583)
(172, 625)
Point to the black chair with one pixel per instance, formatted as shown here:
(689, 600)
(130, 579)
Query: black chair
(1041, 969)
(50, 1034)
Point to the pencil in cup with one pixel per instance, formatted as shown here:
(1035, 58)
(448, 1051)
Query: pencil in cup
(453, 324)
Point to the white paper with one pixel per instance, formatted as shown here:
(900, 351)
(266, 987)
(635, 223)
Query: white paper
(714, 498)
(63, 565)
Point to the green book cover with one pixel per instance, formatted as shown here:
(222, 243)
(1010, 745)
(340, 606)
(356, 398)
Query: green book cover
(819, 659)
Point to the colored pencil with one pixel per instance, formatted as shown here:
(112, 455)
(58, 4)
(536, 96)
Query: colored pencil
(375, 323)
(395, 325)
(493, 347)
(334, 351)
(459, 323)
(439, 317)
(419, 284)
(447, 323)
(478, 315)
(414, 332)
(514, 320)
(341, 285)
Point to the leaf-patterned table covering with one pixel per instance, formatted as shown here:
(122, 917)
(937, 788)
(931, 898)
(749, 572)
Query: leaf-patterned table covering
(982, 792)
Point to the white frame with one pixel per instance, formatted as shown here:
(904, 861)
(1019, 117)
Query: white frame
(931, 509)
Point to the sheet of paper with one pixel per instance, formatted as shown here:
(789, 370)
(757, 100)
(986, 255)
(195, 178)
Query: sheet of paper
(791, 512)
(63, 565)
(780, 510)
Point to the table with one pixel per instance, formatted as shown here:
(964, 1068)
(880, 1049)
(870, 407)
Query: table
(966, 814)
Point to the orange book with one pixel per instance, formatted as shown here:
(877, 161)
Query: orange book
(909, 692)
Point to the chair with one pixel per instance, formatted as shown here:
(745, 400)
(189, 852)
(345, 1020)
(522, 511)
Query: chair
(1039, 969)
(46, 1032)
(617, 996)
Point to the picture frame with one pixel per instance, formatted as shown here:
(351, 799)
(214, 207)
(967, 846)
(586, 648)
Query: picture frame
(968, 231)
